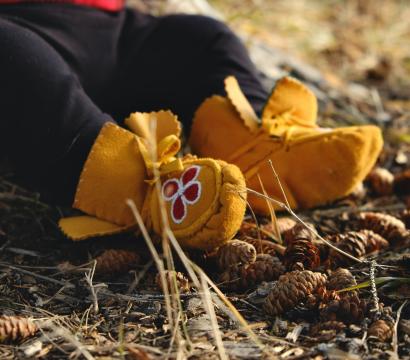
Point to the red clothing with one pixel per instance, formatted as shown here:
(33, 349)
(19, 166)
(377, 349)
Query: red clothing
(108, 5)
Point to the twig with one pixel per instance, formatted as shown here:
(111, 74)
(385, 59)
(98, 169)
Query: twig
(138, 277)
(54, 281)
(23, 251)
(89, 279)
(6, 196)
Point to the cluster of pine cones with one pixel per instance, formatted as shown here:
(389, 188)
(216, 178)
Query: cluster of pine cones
(305, 271)
(383, 182)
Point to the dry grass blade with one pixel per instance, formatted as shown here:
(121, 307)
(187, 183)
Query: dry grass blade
(279, 183)
(377, 281)
(173, 287)
(93, 288)
(395, 343)
(203, 289)
(172, 276)
(273, 217)
(211, 311)
(192, 269)
(155, 256)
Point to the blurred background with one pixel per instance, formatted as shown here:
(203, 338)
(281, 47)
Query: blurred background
(350, 40)
(354, 54)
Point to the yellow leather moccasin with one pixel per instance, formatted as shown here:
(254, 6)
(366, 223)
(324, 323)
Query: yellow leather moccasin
(203, 199)
(315, 165)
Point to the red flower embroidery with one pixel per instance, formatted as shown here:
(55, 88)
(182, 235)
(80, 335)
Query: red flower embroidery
(182, 192)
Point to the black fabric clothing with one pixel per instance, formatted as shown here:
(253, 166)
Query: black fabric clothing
(65, 70)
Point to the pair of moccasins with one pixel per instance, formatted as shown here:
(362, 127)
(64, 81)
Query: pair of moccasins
(205, 199)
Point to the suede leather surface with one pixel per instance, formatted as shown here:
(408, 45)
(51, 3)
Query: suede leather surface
(218, 215)
(291, 94)
(116, 171)
(113, 173)
(84, 227)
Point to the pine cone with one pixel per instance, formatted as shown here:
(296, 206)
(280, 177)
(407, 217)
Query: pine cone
(320, 297)
(374, 242)
(340, 279)
(323, 250)
(401, 183)
(235, 252)
(292, 289)
(391, 228)
(170, 275)
(115, 261)
(269, 231)
(349, 308)
(381, 329)
(283, 224)
(404, 261)
(265, 268)
(249, 229)
(301, 251)
(359, 192)
(327, 295)
(354, 243)
(264, 231)
(337, 326)
(265, 246)
(14, 328)
(298, 232)
(405, 217)
(381, 181)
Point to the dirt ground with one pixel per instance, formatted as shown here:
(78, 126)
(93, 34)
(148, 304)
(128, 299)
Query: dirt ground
(355, 56)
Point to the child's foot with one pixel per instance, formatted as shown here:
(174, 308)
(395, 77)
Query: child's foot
(203, 198)
(314, 165)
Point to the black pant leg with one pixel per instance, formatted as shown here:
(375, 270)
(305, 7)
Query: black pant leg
(59, 80)
(175, 62)
(48, 123)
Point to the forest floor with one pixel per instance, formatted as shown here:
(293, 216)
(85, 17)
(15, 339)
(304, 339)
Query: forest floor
(355, 56)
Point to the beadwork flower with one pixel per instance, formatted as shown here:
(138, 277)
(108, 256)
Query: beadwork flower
(182, 192)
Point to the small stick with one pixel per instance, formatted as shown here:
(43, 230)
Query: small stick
(54, 281)
(138, 278)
